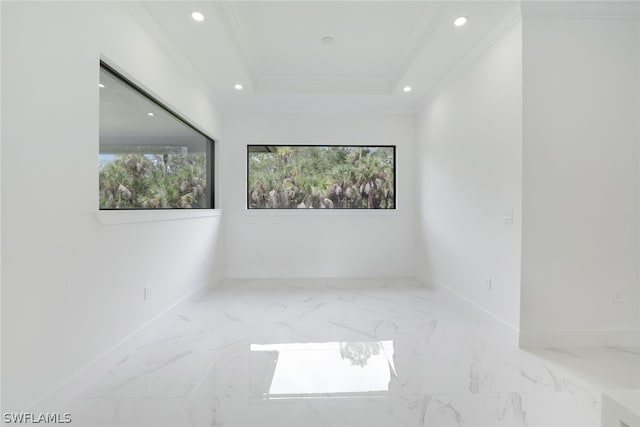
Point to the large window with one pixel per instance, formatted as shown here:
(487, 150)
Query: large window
(149, 157)
(321, 177)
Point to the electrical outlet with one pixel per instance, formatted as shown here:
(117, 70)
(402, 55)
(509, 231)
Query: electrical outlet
(507, 218)
(147, 293)
(617, 296)
(488, 283)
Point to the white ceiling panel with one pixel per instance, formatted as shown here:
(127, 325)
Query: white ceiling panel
(286, 37)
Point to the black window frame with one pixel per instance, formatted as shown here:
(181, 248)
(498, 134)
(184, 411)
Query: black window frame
(294, 208)
(209, 145)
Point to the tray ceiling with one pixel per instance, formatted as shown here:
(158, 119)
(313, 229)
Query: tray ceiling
(275, 49)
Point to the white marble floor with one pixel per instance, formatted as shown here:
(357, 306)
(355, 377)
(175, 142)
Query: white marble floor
(341, 353)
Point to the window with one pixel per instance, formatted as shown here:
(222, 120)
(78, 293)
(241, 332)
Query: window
(149, 157)
(321, 177)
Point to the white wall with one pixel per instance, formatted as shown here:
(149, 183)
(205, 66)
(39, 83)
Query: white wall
(581, 180)
(470, 175)
(1, 405)
(72, 287)
(317, 244)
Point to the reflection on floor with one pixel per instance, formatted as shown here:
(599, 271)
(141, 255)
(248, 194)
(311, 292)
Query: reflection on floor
(341, 353)
(316, 369)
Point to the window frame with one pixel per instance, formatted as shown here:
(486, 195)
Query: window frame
(333, 211)
(210, 144)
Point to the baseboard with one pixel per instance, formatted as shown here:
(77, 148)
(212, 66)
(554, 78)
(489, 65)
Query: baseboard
(428, 280)
(576, 338)
(191, 296)
(231, 275)
(560, 338)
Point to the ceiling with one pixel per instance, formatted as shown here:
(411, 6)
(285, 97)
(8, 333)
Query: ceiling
(275, 49)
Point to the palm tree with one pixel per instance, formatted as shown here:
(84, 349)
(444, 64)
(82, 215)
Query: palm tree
(321, 177)
(115, 183)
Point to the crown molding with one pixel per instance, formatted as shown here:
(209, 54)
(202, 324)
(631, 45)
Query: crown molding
(459, 68)
(230, 18)
(333, 111)
(144, 18)
(323, 84)
(417, 39)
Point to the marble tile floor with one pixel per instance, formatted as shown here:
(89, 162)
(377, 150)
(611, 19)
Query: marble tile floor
(356, 352)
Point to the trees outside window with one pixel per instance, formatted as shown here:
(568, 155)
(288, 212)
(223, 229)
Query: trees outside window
(321, 177)
(149, 157)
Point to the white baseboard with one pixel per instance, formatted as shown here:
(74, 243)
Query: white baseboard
(611, 338)
(428, 280)
(191, 296)
(562, 338)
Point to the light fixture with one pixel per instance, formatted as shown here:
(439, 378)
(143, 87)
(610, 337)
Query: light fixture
(407, 89)
(238, 86)
(197, 16)
(150, 114)
(460, 21)
(327, 40)
(100, 85)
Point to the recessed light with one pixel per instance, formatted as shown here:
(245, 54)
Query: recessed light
(327, 40)
(407, 89)
(100, 85)
(197, 16)
(460, 21)
(238, 86)
(150, 114)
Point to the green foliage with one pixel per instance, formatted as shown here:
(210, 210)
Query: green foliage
(170, 181)
(322, 178)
